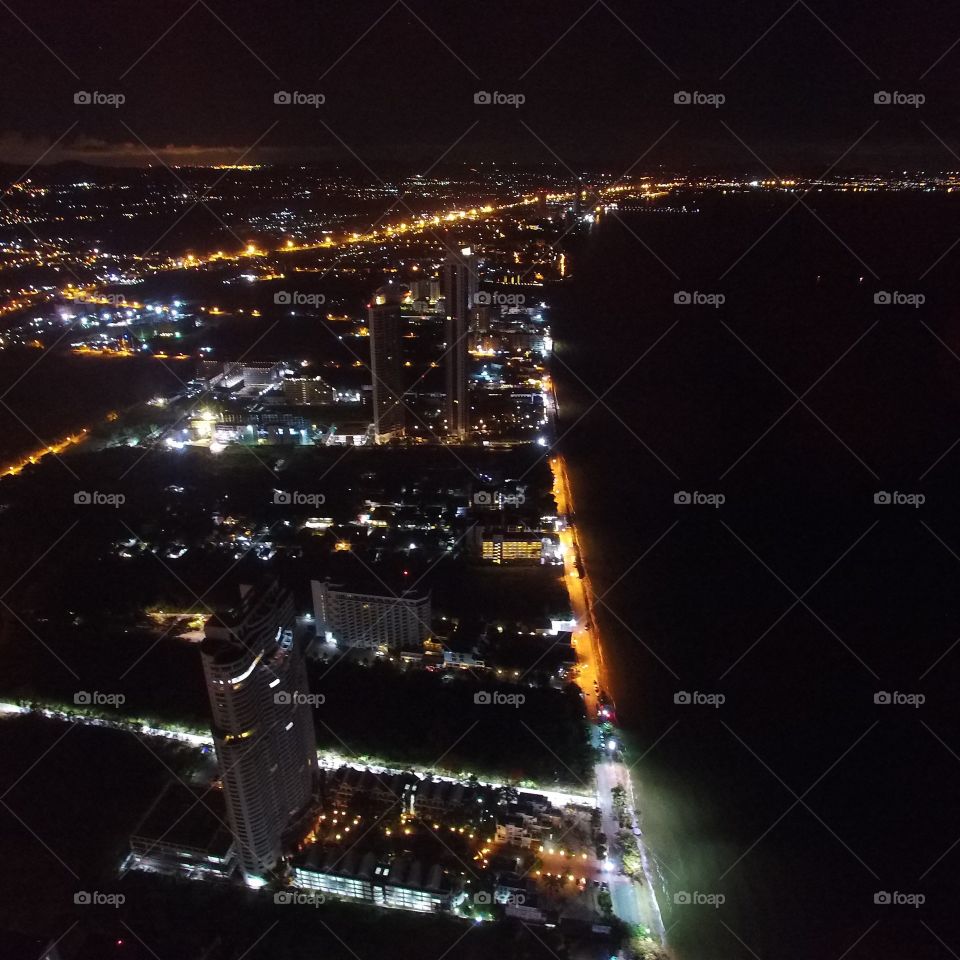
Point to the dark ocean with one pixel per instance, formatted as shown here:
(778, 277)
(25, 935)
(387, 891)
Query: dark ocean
(799, 800)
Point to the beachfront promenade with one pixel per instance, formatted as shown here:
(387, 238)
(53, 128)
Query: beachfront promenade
(633, 902)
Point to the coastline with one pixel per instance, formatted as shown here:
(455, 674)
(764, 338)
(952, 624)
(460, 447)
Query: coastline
(644, 907)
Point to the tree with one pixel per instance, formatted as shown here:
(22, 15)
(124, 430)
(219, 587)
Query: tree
(618, 795)
(630, 854)
(605, 903)
(644, 946)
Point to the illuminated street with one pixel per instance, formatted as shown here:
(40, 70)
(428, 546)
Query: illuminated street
(632, 902)
(590, 667)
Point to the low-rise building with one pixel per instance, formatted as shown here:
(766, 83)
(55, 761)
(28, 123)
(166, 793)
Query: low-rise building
(260, 373)
(527, 821)
(185, 833)
(463, 659)
(505, 547)
(435, 799)
(349, 786)
(402, 883)
(370, 621)
(308, 391)
(517, 831)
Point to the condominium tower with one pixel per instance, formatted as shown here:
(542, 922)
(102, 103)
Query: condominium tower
(253, 662)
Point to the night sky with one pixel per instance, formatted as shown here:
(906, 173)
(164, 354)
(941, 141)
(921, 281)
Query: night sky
(399, 80)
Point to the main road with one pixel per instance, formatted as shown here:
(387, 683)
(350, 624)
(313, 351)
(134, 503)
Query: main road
(590, 667)
(633, 902)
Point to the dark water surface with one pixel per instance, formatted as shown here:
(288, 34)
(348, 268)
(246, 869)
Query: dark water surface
(799, 799)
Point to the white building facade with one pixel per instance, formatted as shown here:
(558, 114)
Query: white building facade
(370, 621)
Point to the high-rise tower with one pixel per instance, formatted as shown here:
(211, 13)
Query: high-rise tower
(459, 282)
(253, 662)
(386, 363)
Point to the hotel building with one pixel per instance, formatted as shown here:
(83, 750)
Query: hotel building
(262, 724)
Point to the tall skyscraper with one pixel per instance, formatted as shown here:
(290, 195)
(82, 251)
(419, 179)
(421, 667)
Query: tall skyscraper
(253, 662)
(386, 363)
(459, 281)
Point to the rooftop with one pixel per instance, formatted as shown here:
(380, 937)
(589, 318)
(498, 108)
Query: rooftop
(189, 818)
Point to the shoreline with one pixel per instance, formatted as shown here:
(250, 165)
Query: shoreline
(576, 572)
